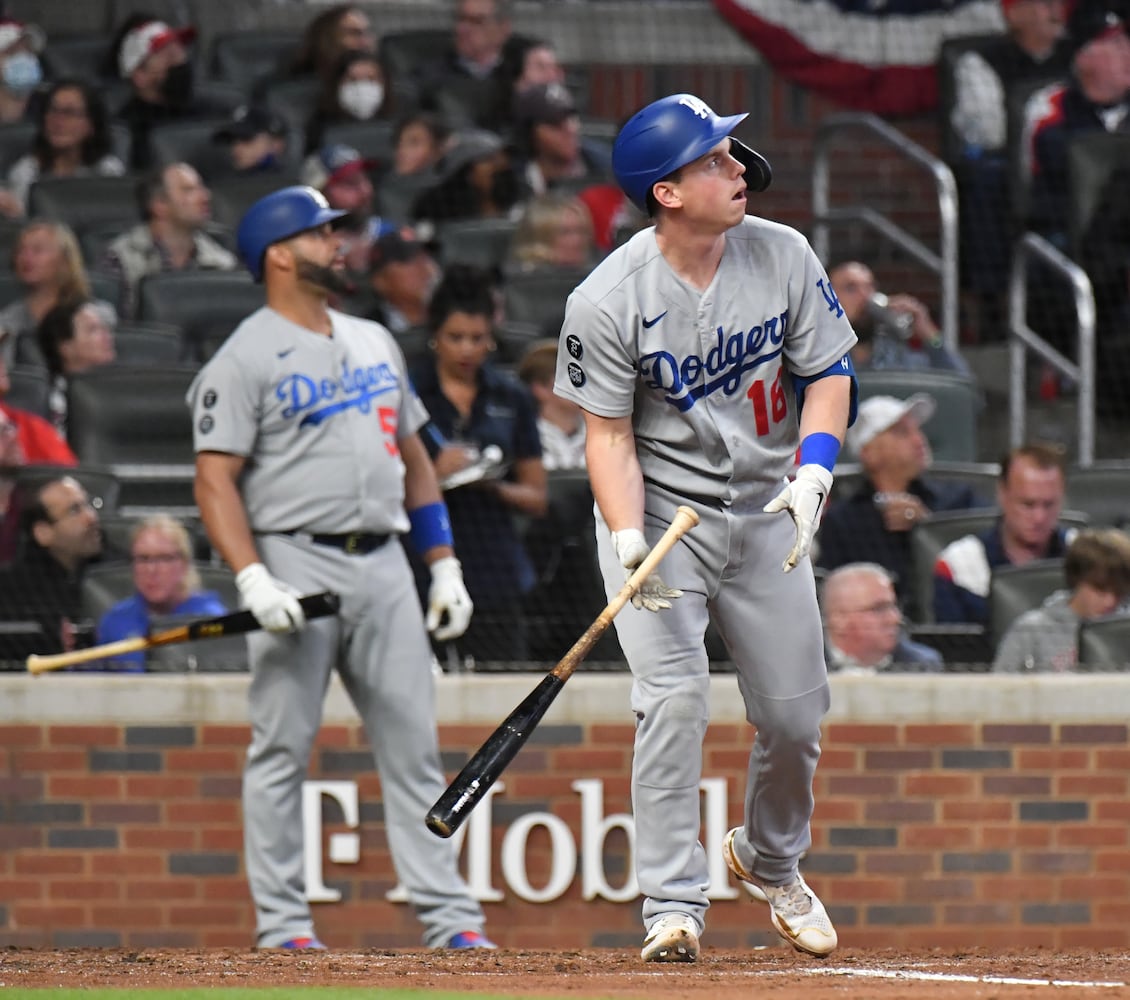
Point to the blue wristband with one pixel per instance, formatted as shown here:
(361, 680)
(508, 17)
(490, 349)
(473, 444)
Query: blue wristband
(430, 527)
(820, 449)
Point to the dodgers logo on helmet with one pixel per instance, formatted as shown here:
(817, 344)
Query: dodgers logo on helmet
(279, 216)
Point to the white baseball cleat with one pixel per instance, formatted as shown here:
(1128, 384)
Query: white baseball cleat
(796, 911)
(672, 938)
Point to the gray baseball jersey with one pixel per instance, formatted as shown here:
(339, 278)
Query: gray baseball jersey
(318, 417)
(319, 420)
(708, 379)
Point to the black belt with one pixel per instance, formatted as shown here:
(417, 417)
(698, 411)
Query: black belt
(353, 543)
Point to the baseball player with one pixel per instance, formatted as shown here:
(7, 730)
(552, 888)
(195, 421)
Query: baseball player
(703, 352)
(308, 466)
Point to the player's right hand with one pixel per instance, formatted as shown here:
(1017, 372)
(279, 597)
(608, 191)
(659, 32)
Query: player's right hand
(273, 603)
(632, 549)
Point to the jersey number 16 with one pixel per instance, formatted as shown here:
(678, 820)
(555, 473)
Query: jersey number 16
(768, 404)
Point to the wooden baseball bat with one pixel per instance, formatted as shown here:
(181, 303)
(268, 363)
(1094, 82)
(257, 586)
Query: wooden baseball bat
(500, 748)
(235, 623)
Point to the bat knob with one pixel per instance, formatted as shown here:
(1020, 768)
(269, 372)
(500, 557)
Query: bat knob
(438, 826)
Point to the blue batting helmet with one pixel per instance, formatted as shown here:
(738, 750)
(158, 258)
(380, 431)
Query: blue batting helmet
(670, 133)
(279, 216)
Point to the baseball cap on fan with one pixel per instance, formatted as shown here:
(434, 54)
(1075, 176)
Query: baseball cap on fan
(152, 36)
(544, 104)
(880, 413)
(333, 163)
(14, 32)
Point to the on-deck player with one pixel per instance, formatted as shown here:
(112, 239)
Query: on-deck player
(308, 466)
(702, 352)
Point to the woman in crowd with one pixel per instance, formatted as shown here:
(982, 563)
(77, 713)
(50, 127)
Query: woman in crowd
(473, 403)
(476, 180)
(336, 30)
(72, 139)
(555, 231)
(47, 262)
(74, 337)
(354, 91)
(166, 583)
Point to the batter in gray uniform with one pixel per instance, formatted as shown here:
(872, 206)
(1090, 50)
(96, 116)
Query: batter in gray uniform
(308, 467)
(704, 352)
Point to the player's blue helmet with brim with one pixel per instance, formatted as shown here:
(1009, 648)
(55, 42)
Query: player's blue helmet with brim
(279, 216)
(669, 134)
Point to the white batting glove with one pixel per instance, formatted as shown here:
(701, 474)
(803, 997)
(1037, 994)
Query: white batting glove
(803, 498)
(632, 549)
(448, 594)
(273, 603)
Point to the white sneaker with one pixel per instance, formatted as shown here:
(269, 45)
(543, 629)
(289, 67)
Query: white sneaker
(673, 938)
(796, 911)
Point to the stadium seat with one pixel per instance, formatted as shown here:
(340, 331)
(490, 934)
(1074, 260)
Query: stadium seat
(31, 387)
(9, 235)
(538, 297)
(483, 243)
(206, 305)
(148, 344)
(1102, 492)
(135, 422)
(15, 141)
(952, 431)
(981, 477)
(245, 58)
(1016, 589)
(220, 94)
(83, 202)
(372, 139)
(293, 99)
(401, 52)
(101, 485)
(397, 193)
(94, 240)
(79, 55)
(1104, 644)
(190, 142)
(513, 340)
(234, 195)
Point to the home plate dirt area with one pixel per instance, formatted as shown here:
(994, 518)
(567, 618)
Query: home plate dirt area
(593, 973)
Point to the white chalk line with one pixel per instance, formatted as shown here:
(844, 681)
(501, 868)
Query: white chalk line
(952, 977)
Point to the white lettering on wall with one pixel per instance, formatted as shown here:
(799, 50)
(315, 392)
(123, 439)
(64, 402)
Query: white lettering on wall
(473, 841)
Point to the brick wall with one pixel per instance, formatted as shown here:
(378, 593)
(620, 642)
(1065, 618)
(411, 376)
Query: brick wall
(930, 831)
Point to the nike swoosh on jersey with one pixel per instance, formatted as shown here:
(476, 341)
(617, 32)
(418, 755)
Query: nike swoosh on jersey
(283, 354)
(649, 323)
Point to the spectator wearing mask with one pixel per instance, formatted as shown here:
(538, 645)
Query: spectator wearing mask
(355, 91)
(72, 139)
(403, 275)
(336, 30)
(549, 142)
(1030, 495)
(1096, 570)
(166, 582)
(1096, 99)
(39, 442)
(896, 332)
(175, 205)
(154, 58)
(256, 140)
(863, 631)
(73, 338)
(47, 263)
(561, 423)
(20, 69)
(60, 536)
(874, 523)
(476, 180)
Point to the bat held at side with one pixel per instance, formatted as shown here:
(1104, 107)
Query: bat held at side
(236, 623)
(500, 748)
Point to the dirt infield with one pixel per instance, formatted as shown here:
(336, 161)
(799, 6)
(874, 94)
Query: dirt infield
(775, 972)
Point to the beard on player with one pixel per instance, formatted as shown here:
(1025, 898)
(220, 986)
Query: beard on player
(331, 280)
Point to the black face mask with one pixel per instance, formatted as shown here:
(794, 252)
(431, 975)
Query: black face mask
(177, 86)
(504, 189)
(324, 277)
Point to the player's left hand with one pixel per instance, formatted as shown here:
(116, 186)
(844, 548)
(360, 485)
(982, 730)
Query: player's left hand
(803, 498)
(448, 595)
(632, 549)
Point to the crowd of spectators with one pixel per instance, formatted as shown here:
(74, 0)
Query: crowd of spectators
(487, 130)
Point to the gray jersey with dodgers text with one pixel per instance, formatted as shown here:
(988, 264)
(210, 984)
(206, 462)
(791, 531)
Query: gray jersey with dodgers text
(318, 419)
(706, 376)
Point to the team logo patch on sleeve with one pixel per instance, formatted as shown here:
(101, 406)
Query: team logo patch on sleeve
(576, 374)
(206, 424)
(209, 399)
(574, 346)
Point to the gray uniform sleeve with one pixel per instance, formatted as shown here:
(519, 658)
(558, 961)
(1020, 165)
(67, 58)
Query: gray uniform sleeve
(225, 401)
(594, 366)
(819, 331)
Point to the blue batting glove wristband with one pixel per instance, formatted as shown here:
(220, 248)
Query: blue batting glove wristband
(820, 449)
(430, 526)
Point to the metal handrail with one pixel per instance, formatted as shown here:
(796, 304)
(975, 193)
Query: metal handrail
(1022, 338)
(942, 263)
